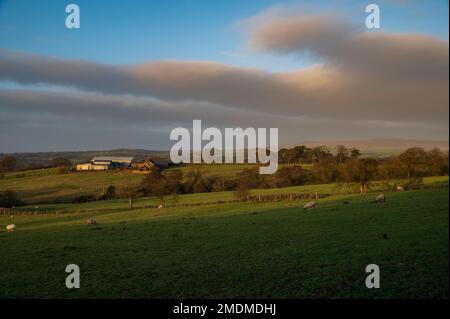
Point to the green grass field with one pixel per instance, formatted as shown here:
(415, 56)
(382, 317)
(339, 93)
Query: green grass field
(48, 186)
(201, 198)
(256, 250)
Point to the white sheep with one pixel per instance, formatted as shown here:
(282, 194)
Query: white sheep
(400, 188)
(10, 228)
(380, 198)
(310, 205)
(91, 221)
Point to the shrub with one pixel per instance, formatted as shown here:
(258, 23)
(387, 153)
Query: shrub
(8, 163)
(9, 199)
(413, 183)
(63, 169)
(290, 176)
(242, 192)
(109, 194)
(84, 199)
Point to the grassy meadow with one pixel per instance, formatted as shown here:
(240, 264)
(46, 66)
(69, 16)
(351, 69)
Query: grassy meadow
(48, 185)
(44, 186)
(257, 250)
(205, 245)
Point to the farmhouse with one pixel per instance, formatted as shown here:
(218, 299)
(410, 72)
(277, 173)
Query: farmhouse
(103, 163)
(150, 165)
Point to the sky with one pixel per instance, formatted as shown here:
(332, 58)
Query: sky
(137, 69)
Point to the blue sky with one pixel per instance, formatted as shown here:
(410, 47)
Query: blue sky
(129, 32)
(310, 68)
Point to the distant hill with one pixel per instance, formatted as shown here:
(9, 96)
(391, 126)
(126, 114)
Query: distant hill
(44, 158)
(381, 147)
(369, 147)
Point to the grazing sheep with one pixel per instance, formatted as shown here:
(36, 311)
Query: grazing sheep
(400, 188)
(309, 205)
(10, 228)
(380, 198)
(91, 221)
(161, 206)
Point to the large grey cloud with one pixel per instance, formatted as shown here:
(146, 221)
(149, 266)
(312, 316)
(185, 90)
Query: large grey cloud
(317, 91)
(408, 57)
(33, 120)
(130, 110)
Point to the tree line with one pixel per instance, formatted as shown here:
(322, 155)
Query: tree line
(345, 167)
(300, 166)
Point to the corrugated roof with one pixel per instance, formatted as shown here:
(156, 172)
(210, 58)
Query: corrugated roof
(111, 158)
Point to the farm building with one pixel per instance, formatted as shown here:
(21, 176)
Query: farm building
(103, 163)
(91, 167)
(150, 165)
(112, 161)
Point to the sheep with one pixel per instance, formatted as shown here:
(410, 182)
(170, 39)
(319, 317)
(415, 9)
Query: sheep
(160, 206)
(91, 221)
(10, 228)
(380, 198)
(309, 205)
(400, 188)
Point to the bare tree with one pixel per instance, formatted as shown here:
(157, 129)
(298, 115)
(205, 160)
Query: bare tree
(341, 153)
(8, 163)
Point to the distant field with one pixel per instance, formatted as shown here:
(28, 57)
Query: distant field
(382, 147)
(199, 198)
(48, 186)
(257, 250)
(228, 171)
